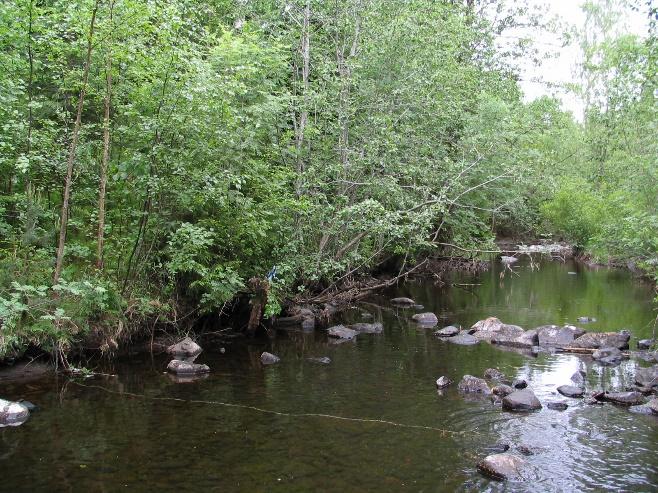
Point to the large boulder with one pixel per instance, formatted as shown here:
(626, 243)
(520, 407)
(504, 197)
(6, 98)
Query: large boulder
(179, 367)
(341, 332)
(407, 302)
(448, 331)
(12, 413)
(623, 398)
(521, 400)
(595, 340)
(426, 319)
(464, 339)
(269, 358)
(552, 335)
(492, 328)
(473, 385)
(185, 348)
(608, 356)
(503, 466)
(571, 391)
(364, 328)
(647, 378)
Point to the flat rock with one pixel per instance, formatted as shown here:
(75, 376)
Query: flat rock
(521, 400)
(341, 332)
(427, 318)
(448, 331)
(557, 406)
(323, 360)
(645, 343)
(12, 413)
(492, 328)
(186, 368)
(442, 382)
(595, 340)
(464, 339)
(269, 358)
(403, 301)
(493, 374)
(608, 355)
(503, 466)
(624, 398)
(552, 335)
(187, 347)
(571, 391)
(473, 385)
(364, 328)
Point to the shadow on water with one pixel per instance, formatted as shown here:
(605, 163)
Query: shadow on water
(143, 431)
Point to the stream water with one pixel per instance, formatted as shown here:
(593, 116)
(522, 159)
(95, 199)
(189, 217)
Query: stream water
(252, 428)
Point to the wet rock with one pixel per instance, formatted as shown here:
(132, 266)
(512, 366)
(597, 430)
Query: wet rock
(645, 343)
(647, 377)
(493, 374)
(571, 391)
(473, 385)
(528, 450)
(653, 405)
(608, 356)
(623, 398)
(490, 328)
(552, 335)
(579, 378)
(341, 332)
(448, 331)
(442, 382)
(503, 466)
(308, 324)
(502, 390)
(12, 413)
(427, 318)
(323, 360)
(641, 409)
(29, 405)
(269, 358)
(464, 339)
(187, 348)
(584, 320)
(644, 355)
(521, 400)
(498, 448)
(363, 328)
(594, 400)
(519, 383)
(508, 260)
(418, 307)
(557, 406)
(186, 368)
(403, 302)
(595, 340)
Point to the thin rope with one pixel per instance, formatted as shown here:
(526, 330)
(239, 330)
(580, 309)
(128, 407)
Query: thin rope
(279, 413)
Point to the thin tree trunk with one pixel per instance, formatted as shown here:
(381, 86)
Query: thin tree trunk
(59, 261)
(303, 117)
(106, 150)
(30, 117)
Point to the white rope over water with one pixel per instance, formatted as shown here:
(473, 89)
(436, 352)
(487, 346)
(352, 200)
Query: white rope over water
(442, 431)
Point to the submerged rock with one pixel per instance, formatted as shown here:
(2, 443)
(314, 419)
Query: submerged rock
(12, 413)
(323, 360)
(503, 466)
(187, 347)
(641, 409)
(426, 318)
(448, 331)
(608, 356)
(473, 385)
(584, 320)
(552, 335)
(571, 391)
(623, 398)
(464, 339)
(492, 328)
(403, 302)
(557, 406)
(364, 328)
(493, 374)
(269, 358)
(579, 378)
(186, 368)
(521, 400)
(442, 382)
(595, 340)
(341, 332)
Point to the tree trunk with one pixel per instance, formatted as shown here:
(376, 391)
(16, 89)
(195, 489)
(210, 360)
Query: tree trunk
(261, 288)
(303, 117)
(59, 262)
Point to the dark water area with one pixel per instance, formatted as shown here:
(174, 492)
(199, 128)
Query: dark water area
(252, 428)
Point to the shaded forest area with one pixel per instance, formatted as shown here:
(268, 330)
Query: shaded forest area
(156, 156)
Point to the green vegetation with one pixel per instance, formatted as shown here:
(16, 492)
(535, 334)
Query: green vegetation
(155, 156)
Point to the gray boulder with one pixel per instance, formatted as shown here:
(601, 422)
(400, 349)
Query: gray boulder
(363, 328)
(521, 400)
(552, 335)
(427, 319)
(502, 390)
(442, 382)
(341, 332)
(579, 378)
(647, 378)
(608, 356)
(473, 385)
(403, 302)
(653, 405)
(645, 343)
(448, 331)
(557, 406)
(185, 348)
(180, 367)
(503, 466)
(595, 340)
(492, 328)
(269, 358)
(571, 391)
(464, 339)
(12, 413)
(623, 398)
(641, 409)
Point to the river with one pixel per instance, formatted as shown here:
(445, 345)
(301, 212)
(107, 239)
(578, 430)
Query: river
(279, 428)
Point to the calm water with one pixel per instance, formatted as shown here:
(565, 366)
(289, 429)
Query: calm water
(96, 437)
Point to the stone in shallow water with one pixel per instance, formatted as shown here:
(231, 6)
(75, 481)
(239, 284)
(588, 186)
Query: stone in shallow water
(571, 391)
(521, 400)
(584, 320)
(641, 409)
(502, 390)
(653, 405)
(645, 343)
(557, 406)
(12, 413)
(595, 340)
(624, 398)
(186, 368)
(364, 328)
(464, 339)
(579, 378)
(608, 356)
(426, 318)
(519, 383)
(323, 360)
(473, 385)
(552, 335)
(442, 382)
(647, 377)
(269, 358)
(341, 332)
(403, 301)
(186, 347)
(492, 328)
(503, 466)
(493, 374)
(448, 331)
